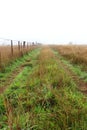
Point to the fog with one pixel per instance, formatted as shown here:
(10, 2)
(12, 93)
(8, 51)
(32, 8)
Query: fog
(45, 21)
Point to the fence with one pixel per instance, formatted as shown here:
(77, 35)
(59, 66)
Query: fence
(13, 49)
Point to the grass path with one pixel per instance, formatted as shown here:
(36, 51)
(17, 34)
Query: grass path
(74, 72)
(43, 97)
(15, 68)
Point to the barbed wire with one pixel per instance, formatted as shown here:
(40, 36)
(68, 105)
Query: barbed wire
(5, 41)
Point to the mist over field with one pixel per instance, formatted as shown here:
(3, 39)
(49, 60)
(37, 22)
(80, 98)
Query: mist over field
(44, 21)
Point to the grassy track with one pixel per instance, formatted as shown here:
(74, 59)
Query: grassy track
(78, 75)
(9, 74)
(43, 97)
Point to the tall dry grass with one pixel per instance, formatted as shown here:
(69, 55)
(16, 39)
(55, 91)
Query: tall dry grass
(77, 54)
(6, 55)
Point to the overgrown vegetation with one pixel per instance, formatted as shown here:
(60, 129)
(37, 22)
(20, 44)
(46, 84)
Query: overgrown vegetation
(43, 97)
(75, 54)
(7, 57)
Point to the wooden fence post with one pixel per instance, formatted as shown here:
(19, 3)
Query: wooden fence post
(19, 46)
(11, 47)
(24, 44)
(21, 49)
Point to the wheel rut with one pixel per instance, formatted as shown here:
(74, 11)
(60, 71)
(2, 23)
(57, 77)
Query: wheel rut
(11, 78)
(82, 86)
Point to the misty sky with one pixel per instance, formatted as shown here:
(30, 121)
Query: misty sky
(46, 21)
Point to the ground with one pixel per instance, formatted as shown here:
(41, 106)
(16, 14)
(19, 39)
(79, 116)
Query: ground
(42, 91)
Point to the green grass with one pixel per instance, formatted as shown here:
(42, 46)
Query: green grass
(17, 87)
(43, 97)
(9, 70)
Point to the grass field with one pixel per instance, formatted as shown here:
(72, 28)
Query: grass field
(45, 89)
